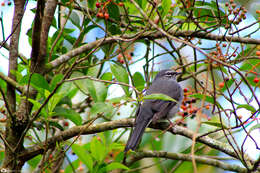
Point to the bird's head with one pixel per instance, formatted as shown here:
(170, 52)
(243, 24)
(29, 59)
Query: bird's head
(168, 73)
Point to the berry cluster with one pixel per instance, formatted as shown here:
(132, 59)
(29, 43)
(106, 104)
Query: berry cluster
(188, 105)
(126, 51)
(218, 54)
(257, 79)
(258, 12)
(6, 3)
(120, 57)
(239, 12)
(102, 6)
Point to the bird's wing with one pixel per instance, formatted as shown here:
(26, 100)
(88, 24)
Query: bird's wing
(163, 111)
(167, 87)
(171, 88)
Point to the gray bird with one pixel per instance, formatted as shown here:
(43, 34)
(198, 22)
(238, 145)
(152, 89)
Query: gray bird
(153, 110)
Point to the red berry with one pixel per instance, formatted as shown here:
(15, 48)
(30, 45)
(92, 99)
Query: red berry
(185, 90)
(100, 15)
(121, 61)
(66, 124)
(183, 107)
(226, 4)
(224, 45)
(257, 53)
(256, 80)
(121, 4)
(106, 15)
(3, 4)
(98, 5)
(221, 84)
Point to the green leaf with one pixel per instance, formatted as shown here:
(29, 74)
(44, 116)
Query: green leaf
(248, 107)
(72, 93)
(65, 88)
(97, 149)
(121, 75)
(113, 11)
(115, 165)
(55, 80)
(91, 4)
(206, 11)
(159, 96)
(69, 114)
(166, 5)
(54, 100)
(34, 161)
(83, 155)
(119, 99)
(74, 18)
(101, 107)
(66, 100)
(207, 98)
(114, 29)
(227, 85)
(71, 167)
(54, 23)
(37, 105)
(249, 64)
(56, 124)
(257, 126)
(97, 90)
(107, 76)
(37, 81)
(3, 84)
(139, 81)
(215, 124)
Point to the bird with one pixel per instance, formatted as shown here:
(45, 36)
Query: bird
(153, 110)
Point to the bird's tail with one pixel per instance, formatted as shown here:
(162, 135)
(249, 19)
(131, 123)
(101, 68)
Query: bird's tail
(136, 135)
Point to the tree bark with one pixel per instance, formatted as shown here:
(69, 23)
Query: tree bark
(12, 132)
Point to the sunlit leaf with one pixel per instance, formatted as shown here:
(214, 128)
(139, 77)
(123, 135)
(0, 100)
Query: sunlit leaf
(206, 97)
(139, 81)
(257, 126)
(97, 149)
(159, 96)
(166, 5)
(115, 165)
(215, 124)
(101, 107)
(69, 114)
(248, 107)
(83, 155)
(121, 75)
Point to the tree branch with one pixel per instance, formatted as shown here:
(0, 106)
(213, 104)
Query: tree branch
(149, 35)
(185, 157)
(12, 82)
(96, 128)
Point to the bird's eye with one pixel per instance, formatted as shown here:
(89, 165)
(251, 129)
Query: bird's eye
(169, 73)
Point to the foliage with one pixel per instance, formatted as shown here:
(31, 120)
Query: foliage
(72, 95)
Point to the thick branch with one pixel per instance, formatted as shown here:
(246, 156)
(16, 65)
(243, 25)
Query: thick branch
(13, 53)
(44, 16)
(11, 82)
(185, 157)
(22, 57)
(86, 129)
(149, 35)
(11, 136)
